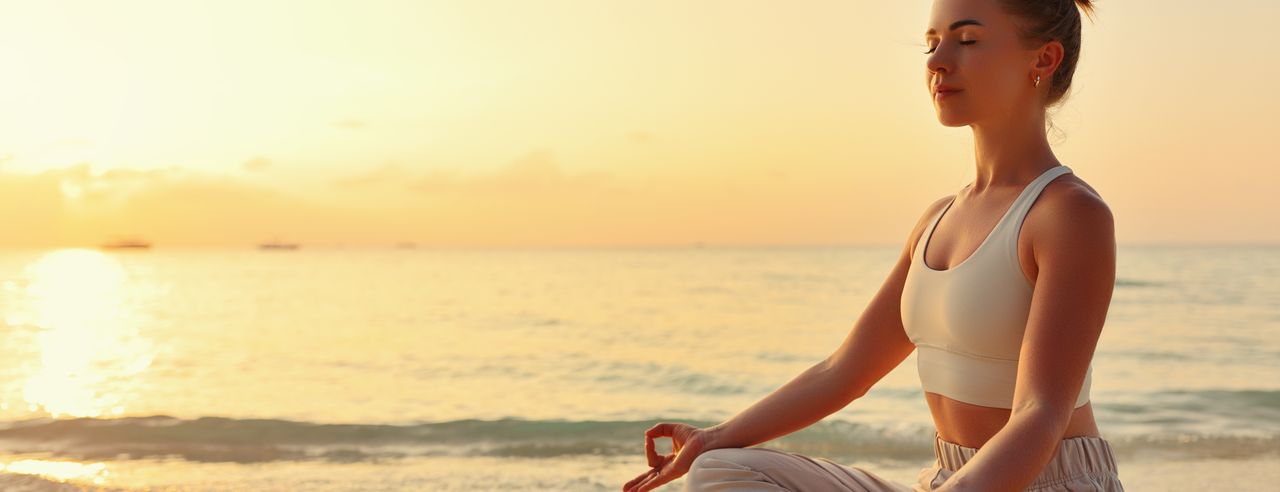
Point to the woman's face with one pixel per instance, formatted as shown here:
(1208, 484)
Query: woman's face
(973, 46)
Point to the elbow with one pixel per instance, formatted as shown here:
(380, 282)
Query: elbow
(843, 381)
(853, 393)
(1044, 414)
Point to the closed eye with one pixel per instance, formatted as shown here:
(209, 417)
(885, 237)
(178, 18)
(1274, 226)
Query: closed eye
(931, 50)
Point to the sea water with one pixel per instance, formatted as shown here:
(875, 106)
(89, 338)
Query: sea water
(332, 368)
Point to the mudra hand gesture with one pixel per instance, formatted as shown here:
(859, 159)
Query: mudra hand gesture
(687, 442)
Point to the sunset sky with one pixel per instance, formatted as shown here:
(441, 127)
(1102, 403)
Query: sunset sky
(591, 122)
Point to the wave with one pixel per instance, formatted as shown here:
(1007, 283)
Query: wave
(1133, 282)
(219, 439)
(1247, 411)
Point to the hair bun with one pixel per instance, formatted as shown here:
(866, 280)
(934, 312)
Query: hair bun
(1086, 6)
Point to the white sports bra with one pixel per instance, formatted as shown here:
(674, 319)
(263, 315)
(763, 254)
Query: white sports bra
(968, 321)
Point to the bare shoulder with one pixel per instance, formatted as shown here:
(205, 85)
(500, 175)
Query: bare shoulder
(923, 221)
(1071, 215)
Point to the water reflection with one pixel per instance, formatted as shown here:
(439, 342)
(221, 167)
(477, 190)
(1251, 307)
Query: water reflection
(59, 470)
(86, 348)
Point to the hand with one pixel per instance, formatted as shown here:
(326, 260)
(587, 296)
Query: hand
(687, 442)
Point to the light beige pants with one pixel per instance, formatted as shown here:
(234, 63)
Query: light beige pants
(1083, 463)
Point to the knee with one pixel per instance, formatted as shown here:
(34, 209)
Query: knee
(710, 470)
(709, 467)
(720, 454)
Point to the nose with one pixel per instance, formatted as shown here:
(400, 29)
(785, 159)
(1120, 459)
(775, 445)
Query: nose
(938, 60)
(935, 67)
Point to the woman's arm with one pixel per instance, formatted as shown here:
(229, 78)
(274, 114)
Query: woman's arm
(876, 344)
(1075, 255)
(812, 395)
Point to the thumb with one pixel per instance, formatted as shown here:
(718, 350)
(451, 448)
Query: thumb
(674, 469)
(683, 461)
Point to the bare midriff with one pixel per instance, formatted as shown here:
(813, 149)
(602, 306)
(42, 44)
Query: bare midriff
(972, 425)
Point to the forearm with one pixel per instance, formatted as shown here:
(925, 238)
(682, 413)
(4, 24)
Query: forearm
(814, 394)
(1013, 458)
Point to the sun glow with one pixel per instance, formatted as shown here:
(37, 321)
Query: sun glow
(59, 470)
(86, 349)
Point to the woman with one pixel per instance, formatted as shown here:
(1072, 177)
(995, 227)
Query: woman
(1005, 301)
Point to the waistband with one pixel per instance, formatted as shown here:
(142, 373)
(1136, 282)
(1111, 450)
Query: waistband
(1080, 455)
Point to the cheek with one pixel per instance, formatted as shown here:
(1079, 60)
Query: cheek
(992, 76)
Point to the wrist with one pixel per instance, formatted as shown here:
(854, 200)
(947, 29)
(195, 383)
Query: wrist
(714, 437)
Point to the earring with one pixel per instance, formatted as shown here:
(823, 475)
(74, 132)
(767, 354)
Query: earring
(1037, 80)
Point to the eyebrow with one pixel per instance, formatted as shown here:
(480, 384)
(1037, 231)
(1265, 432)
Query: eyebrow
(955, 25)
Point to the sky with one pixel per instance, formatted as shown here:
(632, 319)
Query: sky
(591, 122)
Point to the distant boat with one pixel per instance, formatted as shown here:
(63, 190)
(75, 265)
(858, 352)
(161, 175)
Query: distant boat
(126, 244)
(277, 245)
(406, 245)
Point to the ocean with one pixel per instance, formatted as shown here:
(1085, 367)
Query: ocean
(344, 368)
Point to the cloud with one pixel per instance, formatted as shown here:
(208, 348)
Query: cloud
(385, 175)
(31, 208)
(110, 187)
(217, 210)
(74, 206)
(530, 200)
(256, 164)
(535, 174)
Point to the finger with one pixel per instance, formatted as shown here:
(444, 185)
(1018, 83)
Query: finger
(630, 486)
(673, 466)
(659, 430)
(654, 482)
(647, 478)
(626, 487)
(649, 451)
(644, 486)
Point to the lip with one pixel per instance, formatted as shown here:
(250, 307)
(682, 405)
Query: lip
(943, 93)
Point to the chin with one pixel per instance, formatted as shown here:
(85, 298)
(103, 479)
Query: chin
(952, 120)
(951, 115)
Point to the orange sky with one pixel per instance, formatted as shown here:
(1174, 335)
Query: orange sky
(590, 122)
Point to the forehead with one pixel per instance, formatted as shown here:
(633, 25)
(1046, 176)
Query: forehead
(946, 13)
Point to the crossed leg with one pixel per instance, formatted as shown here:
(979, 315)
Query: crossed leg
(766, 469)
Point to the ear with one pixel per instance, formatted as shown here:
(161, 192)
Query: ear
(1048, 57)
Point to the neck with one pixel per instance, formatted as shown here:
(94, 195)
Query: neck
(1010, 151)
